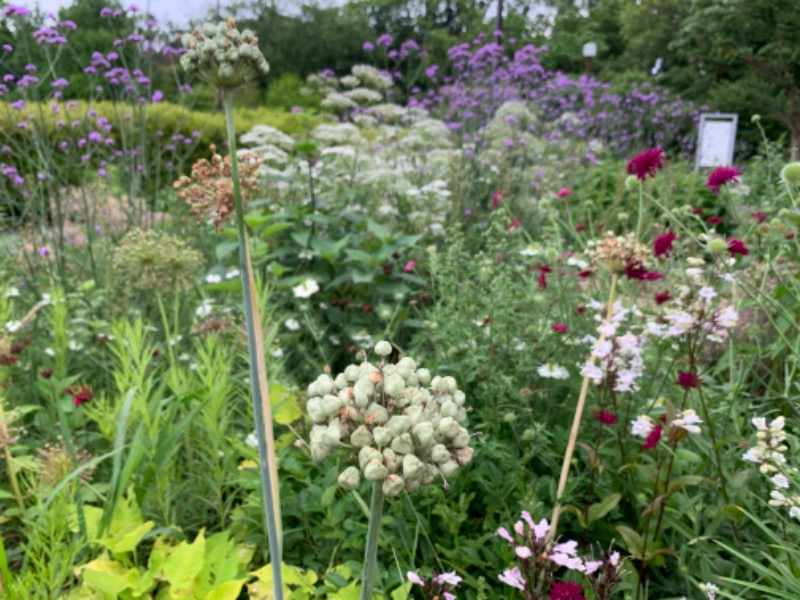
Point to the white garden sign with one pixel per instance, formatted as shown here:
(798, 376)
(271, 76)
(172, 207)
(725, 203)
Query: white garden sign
(715, 140)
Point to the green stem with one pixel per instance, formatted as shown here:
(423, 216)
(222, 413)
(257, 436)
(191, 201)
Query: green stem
(66, 433)
(258, 413)
(373, 533)
(641, 211)
(5, 572)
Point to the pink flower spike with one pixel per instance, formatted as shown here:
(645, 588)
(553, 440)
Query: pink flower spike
(513, 578)
(527, 517)
(523, 552)
(410, 265)
(503, 533)
(449, 596)
(414, 578)
(541, 530)
(592, 566)
(566, 548)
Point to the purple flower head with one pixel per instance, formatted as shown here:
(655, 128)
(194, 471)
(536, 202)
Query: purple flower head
(158, 96)
(368, 46)
(385, 40)
(105, 12)
(133, 8)
(297, 109)
(8, 48)
(59, 83)
(44, 251)
(13, 10)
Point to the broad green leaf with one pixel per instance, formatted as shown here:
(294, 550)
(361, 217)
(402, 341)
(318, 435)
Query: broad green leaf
(361, 276)
(106, 576)
(302, 237)
(227, 591)
(633, 541)
(185, 562)
(679, 483)
(285, 409)
(602, 508)
(402, 592)
(378, 230)
(226, 249)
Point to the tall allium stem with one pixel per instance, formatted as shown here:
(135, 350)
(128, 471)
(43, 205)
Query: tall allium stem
(373, 533)
(576, 421)
(258, 378)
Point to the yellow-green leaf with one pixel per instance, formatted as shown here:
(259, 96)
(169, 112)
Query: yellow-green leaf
(285, 409)
(183, 565)
(227, 591)
(106, 576)
(633, 541)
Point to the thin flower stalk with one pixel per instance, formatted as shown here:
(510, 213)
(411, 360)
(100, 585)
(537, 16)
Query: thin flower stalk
(576, 421)
(373, 534)
(258, 377)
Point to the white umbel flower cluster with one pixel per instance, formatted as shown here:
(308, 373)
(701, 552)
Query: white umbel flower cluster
(406, 425)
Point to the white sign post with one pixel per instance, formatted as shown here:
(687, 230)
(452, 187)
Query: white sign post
(716, 138)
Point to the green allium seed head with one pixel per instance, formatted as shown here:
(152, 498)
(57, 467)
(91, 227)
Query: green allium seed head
(755, 118)
(153, 260)
(631, 183)
(791, 174)
(545, 203)
(222, 56)
(784, 213)
(408, 426)
(623, 217)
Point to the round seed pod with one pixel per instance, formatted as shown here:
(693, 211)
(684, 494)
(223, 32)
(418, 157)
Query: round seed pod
(383, 436)
(393, 485)
(391, 461)
(383, 348)
(407, 363)
(394, 385)
(440, 454)
(340, 382)
(375, 470)
(463, 456)
(376, 414)
(461, 440)
(399, 424)
(403, 444)
(351, 373)
(367, 455)
(448, 427)
(412, 467)
(324, 385)
(361, 437)
(331, 404)
(449, 469)
(424, 376)
(424, 433)
(350, 479)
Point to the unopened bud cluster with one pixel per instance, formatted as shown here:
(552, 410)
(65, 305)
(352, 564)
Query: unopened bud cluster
(405, 425)
(222, 55)
(617, 253)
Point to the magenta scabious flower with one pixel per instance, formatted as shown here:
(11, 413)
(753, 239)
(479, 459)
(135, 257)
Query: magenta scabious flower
(714, 220)
(563, 192)
(661, 297)
(410, 265)
(662, 245)
(559, 328)
(565, 590)
(736, 246)
(646, 163)
(653, 438)
(688, 380)
(606, 418)
(759, 216)
(720, 176)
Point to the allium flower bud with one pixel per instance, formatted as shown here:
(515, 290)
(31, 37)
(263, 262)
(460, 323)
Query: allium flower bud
(394, 385)
(791, 173)
(222, 56)
(424, 433)
(361, 437)
(716, 245)
(440, 454)
(403, 444)
(350, 479)
(449, 469)
(383, 348)
(448, 427)
(351, 373)
(463, 456)
(383, 436)
(424, 376)
(412, 466)
(324, 385)
(376, 414)
(375, 471)
(393, 485)
(391, 461)
(399, 424)
(367, 455)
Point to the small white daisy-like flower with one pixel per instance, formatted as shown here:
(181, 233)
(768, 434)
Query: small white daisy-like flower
(706, 293)
(292, 325)
(642, 426)
(306, 289)
(251, 440)
(232, 273)
(213, 278)
(688, 421)
(204, 309)
(277, 353)
(551, 371)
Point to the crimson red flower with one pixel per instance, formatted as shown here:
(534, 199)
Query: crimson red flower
(606, 418)
(637, 271)
(736, 246)
(543, 271)
(6, 360)
(688, 380)
(565, 590)
(368, 308)
(514, 224)
(84, 395)
(559, 328)
(585, 273)
(697, 211)
(759, 216)
(720, 176)
(662, 245)
(581, 309)
(563, 192)
(496, 198)
(714, 220)
(662, 297)
(646, 163)
(789, 236)
(653, 438)
(580, 227)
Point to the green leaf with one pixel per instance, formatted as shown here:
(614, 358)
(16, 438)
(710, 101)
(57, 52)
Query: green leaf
(302, 237)
(229, 590)
(378, 230)
(285, 408)
(185, 562)
(679, 483)
(225, 249)
(402, 592)
(360, 276)
(633, 541)
(602, 508)
(106, 576)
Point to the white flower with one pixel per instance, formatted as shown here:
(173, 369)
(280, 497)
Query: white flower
(593, 372)
(306, 289)
(642, 426)
(710, 589)
(450, 578)
(213, 278)
(74, 346)
(576, 262)
(305, 255)
(232, 273)
(204, 309)
(184, 357)
(277, 353)
(49, 352)
(706, 293)
(602, 348)
(292, 325)
(251, 440)
(12, 292)
(12, 326)
(780, 481)
(688, 421)
(727, 317)
(551, 371)
(591, 566)
(519, 345)
(414, 578)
